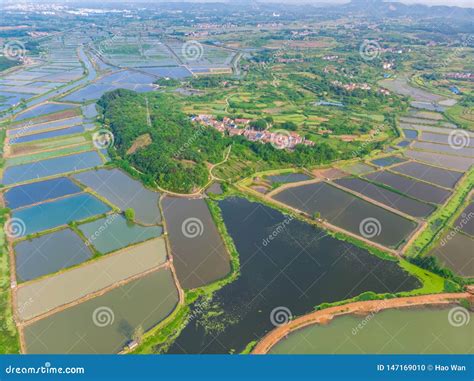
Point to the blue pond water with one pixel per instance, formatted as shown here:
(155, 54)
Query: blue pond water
(60, 212)
(50, 167)
(47, 108)
(28, 194)
(49, 253)
(49, 134)
(410, 134)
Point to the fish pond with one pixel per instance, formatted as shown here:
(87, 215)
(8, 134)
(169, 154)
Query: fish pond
(24, 195)
(455, 251)
(446, 161)
(115, 232)
(59, 212)
(48, 254)
(140, 303)
(288, 178)
(47, 108)
(124, 192)
(387, 161)
(47, 135)
(348, 212)
(430, 174)
(397, 331)
(417, 189)
(199, 254)
(397, 201)
(51, 167)
(300, 268)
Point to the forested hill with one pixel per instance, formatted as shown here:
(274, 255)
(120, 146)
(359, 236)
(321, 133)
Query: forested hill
(167, 148)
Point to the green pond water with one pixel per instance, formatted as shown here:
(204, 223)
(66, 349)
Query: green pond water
(402, 331)
(106, 323)
(115, 232)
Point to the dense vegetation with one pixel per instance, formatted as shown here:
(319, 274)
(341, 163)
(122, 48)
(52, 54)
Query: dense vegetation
(177, 157)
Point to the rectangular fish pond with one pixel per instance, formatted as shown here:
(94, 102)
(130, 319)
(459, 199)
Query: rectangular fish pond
(106, 323)
(349, 212)
(300, 268)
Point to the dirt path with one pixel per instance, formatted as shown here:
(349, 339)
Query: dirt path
(372, 306)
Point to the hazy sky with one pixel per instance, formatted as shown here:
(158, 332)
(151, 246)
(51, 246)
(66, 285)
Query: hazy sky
(461, 3)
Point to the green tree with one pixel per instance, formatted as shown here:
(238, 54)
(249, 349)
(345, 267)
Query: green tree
(130, 214)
